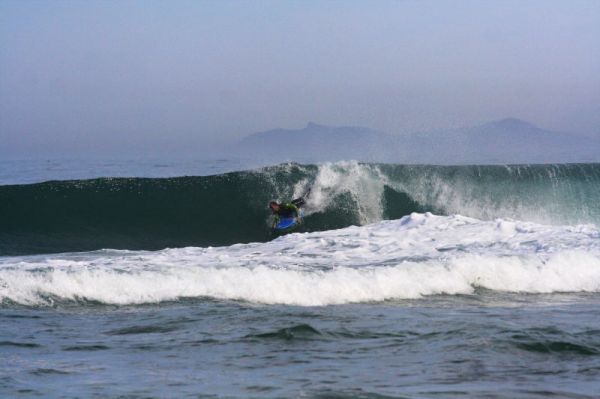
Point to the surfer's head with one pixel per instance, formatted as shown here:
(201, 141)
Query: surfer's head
(274, 206)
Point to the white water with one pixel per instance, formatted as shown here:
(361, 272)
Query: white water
(420, 254)
(364, 183)
(544, 196)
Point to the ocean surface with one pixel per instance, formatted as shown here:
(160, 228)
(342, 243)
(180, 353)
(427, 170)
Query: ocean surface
(162, 279)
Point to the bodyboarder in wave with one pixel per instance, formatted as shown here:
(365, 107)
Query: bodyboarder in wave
(287, 214)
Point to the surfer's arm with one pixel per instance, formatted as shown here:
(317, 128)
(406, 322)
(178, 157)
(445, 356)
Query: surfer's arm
(294, 208)
(296, 211)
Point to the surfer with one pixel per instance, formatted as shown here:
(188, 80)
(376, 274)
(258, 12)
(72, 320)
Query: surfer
(286, 210)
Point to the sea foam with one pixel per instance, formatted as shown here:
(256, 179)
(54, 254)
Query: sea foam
(418, 255)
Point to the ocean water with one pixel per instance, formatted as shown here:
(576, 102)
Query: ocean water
(403, 281)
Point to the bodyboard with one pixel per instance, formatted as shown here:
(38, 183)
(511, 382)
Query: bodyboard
(289, 223)
(286, 223)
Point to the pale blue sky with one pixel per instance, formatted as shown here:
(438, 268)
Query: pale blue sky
(143, 77)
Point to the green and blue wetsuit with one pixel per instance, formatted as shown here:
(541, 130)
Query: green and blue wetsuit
(286, 210)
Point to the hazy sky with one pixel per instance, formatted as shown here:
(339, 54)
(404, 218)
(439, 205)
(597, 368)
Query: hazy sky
(141, 77)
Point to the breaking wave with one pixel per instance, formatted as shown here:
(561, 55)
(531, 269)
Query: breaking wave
(156, 213)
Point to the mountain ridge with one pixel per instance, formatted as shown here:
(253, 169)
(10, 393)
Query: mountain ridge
(507, 140)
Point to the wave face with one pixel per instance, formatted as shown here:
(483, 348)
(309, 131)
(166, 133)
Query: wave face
(415, 256)
(155, 213)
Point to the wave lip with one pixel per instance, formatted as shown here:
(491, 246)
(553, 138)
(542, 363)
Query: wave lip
(418, 255)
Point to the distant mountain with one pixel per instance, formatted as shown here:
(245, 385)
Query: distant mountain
(513, 140)
(505, 141)
(316, 143)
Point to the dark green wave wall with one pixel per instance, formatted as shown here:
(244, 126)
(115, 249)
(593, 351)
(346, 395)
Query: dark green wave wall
(144, 213)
